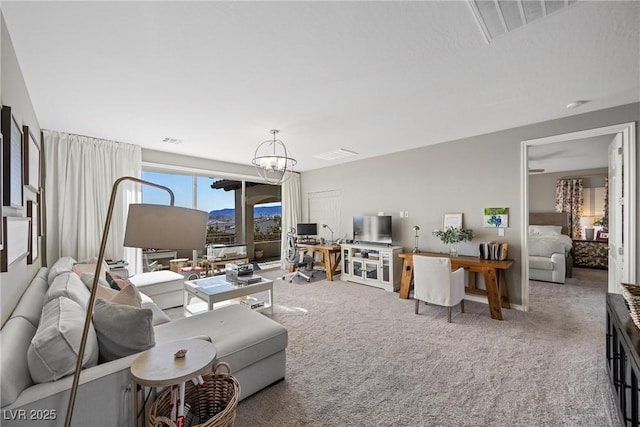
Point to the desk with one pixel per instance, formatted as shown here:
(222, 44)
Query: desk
(492, 270)
(331, 257)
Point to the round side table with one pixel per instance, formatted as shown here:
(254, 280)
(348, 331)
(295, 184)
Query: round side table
(158, 367)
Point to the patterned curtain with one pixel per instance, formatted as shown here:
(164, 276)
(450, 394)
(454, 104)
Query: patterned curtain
(569, 198)
(606, 200)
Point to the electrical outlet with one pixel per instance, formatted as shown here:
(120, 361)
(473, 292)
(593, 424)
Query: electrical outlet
(406, 214)
(501, 232)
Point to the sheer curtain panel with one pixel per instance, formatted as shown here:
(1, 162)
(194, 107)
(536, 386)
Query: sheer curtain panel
(291, 211)
(80, 172)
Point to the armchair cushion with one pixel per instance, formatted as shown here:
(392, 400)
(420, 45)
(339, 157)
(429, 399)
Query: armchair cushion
(435, 283)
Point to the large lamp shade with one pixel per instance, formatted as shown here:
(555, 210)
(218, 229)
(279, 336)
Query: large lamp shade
(165, 227)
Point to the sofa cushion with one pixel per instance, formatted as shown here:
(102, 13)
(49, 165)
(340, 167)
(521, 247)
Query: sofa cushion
(63, 265)
(15, 338)
(54, 349)
(122, 329)
(30, 305)
(242, 336)
(68, 285)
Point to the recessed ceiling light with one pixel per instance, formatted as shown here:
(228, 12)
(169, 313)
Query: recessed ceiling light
(576, 104)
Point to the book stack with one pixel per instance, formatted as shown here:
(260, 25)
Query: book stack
(494, 250)
(252, 302)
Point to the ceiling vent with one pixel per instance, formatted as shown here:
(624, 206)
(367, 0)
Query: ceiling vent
(340, 153)
(168, 140)
(498, 17)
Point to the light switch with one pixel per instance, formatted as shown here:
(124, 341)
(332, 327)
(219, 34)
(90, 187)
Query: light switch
(501, 232)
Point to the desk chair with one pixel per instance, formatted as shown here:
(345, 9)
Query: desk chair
(435, 283)
(298, 259)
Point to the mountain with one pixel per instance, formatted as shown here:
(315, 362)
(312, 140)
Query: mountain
(258, 211)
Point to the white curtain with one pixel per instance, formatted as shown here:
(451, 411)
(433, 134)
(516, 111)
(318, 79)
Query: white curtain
(291, 211)
(80, 172)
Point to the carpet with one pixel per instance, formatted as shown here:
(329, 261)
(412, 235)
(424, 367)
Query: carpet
(359, 356)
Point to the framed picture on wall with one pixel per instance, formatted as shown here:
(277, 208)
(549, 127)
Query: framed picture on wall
(33, 213)
(452, 220)
(1, 227)
(12, 160)
(31, 161)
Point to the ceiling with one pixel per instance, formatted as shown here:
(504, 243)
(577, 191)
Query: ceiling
(579, 154)
(369, 77)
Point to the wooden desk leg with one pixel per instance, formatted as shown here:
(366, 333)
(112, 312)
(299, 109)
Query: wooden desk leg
(493, 293)
(504, 291)
(407, 278)
(327, 265)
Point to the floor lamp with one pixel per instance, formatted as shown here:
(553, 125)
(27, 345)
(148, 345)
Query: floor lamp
(148, 226)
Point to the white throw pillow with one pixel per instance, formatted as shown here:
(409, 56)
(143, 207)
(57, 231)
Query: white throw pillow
(53, 352)
(68, 285)
(63, 265)
(545, 230)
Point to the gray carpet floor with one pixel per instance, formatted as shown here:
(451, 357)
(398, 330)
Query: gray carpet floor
(359, 356)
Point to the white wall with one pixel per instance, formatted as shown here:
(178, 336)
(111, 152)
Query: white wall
(465, 176)
(14, 94)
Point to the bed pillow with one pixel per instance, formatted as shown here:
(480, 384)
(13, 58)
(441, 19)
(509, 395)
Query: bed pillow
(545, 230)
(122, 329)
(54, 348)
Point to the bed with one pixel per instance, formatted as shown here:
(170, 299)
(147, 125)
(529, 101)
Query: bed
(550, 247)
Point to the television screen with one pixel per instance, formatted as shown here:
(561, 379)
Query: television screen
(307, 229)
(373, 229)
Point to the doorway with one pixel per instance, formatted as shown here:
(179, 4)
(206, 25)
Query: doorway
(622, 246)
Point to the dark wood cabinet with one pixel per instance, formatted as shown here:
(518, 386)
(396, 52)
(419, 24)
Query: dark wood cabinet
(590, 253)
(623, 360)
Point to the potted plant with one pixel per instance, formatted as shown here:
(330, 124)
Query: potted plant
(453, 236)
(602, 222)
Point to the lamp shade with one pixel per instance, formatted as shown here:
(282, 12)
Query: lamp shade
(165, 227)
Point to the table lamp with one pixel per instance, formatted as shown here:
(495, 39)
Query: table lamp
(416, 229)
(326, 226)
(148, 226)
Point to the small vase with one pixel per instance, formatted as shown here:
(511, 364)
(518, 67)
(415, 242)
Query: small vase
(453, 250)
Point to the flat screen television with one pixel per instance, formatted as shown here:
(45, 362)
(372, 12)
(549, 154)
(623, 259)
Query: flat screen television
(372, 229)
(307, 229)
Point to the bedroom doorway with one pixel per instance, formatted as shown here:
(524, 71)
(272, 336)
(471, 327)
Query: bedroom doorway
(622, 208)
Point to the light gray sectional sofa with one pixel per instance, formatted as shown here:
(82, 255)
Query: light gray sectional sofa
(253, 345)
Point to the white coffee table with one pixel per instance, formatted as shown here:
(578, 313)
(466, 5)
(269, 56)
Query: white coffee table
(212, 292)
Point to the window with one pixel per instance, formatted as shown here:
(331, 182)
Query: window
(223, 200)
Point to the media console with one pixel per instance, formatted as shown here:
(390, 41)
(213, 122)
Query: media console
(374, 265)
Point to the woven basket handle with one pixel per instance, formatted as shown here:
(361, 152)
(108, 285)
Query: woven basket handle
(216, 368)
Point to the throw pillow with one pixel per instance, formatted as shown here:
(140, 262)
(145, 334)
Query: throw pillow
(87, 279)
(54, 348)
(112, 282)
(63, 265)
(68, 285)
(128, 296)
(88, 268)
(122, 329)
(545, 230)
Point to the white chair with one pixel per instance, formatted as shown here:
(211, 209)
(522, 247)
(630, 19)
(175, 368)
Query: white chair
(435, 283)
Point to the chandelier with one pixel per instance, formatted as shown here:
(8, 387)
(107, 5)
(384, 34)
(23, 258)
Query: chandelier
(272, 161)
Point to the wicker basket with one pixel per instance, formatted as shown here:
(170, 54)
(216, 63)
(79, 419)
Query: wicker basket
(209, 406)
(631, 294)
